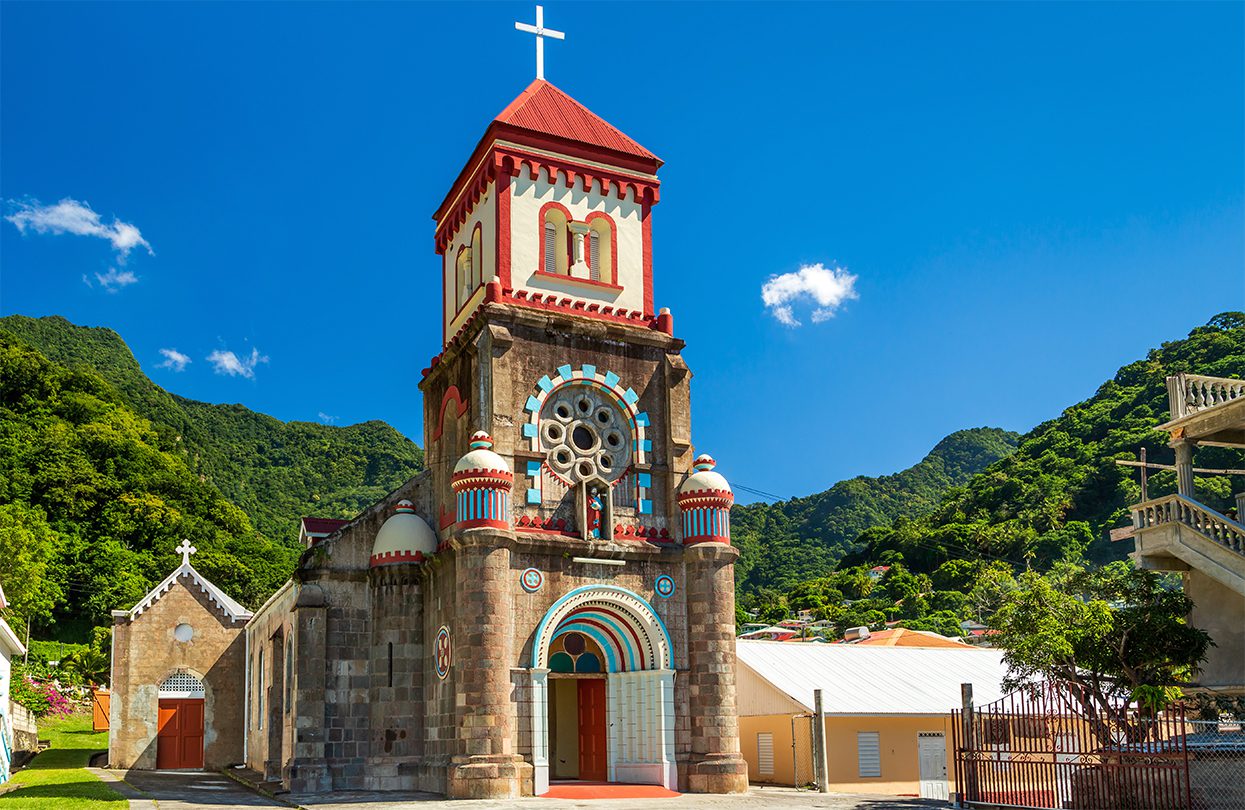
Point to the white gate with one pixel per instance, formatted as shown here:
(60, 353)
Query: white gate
(932, 751)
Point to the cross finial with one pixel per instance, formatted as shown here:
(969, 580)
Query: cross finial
(186, 550)
(541, 32)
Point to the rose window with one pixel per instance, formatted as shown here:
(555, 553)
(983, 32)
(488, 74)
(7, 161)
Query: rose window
(585, 435)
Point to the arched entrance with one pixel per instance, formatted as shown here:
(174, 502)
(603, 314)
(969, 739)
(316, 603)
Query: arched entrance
(179, 729)
(602, 653)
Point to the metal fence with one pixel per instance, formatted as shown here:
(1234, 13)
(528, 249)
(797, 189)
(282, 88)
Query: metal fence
(805, 778)
(1045, 750)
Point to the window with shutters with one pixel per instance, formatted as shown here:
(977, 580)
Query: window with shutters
(554, 240)
(462, 274)
(477, 259)
(602, 247)
(868, 754)
(765, 753)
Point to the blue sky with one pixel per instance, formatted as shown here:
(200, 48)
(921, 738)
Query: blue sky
(1029, 196)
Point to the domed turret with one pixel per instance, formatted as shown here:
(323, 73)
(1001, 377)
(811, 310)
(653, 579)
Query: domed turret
(482, 483)
(705, 500)
(404, 538)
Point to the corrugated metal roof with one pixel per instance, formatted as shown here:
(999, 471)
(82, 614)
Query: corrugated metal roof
(546, 109)
(874, 680)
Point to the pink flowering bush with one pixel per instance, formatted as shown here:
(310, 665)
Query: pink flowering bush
(40, 697)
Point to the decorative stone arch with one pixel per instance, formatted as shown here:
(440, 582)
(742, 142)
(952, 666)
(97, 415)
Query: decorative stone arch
(610, 385)
(639, 682)
(181, 683)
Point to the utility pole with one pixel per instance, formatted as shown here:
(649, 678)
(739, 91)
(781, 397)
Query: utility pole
(820, 764)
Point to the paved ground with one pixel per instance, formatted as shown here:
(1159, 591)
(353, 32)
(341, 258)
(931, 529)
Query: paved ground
(191, 790)
(182, 790)
(756, 799)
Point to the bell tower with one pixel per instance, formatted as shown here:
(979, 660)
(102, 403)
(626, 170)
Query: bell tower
(558, 440)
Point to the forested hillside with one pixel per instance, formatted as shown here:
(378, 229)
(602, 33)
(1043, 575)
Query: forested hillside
(274, 471)
(790, 541)
(102, 472)
(1050, 503)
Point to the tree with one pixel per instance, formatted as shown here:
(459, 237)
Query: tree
(1109, 638)
(89, 666)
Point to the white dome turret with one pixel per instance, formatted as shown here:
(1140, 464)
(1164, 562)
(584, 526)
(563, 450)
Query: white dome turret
(404, 538)
(481, 456)
(705, 500)
(703, 478)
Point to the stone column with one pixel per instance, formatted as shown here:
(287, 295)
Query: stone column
(309, 771)
(716, 765)
(1184, 466)
(486, 766)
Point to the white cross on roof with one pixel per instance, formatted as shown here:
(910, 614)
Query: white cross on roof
(186, 550)
(541, 32)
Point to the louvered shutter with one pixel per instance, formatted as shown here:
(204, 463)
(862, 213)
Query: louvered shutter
(765, 752)
(551, 248)
(868, 754)
(594, 251)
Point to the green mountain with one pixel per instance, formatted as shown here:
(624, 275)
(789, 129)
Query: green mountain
(274, 471)
(803, 538)
(102, 472)
(1061, 492)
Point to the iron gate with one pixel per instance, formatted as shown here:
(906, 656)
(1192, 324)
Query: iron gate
(1043, 750)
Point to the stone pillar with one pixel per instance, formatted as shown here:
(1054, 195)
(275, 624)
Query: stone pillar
(309, 772)
(486, 766)
(1184, 466)
(716, 765)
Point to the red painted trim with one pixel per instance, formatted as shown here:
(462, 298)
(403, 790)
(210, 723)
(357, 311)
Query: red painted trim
(587, 282)
(619, 649)
(613, 280)
(393, 557)
(640, 646)
(447, 517)
(452, 394)
(502, 210)
(646, 248)
(491, 524)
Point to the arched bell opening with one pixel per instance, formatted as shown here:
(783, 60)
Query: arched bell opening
(602, 691)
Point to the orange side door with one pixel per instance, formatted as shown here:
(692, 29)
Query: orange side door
(168, 735)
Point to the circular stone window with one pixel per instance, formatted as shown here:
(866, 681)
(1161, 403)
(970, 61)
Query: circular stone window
(586, 434)
(183, 632)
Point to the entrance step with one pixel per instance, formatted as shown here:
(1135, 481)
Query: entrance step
(606, 790)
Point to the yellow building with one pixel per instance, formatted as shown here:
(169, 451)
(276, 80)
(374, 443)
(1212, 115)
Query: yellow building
(887, 712)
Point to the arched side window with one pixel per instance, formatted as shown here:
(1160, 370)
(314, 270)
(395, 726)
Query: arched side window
(462, 275)
(602, 247)
(477, 259)
(554, 241)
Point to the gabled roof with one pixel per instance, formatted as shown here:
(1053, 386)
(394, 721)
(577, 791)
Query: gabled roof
(903, 637)
(547, 110)
(325, 526)
(859, 680)
(232, 610)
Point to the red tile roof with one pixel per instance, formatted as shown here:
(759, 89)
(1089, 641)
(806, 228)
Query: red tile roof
(313, 525)
(545, 109)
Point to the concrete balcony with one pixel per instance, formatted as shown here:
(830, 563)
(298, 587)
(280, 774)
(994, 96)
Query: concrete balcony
(1176, 533)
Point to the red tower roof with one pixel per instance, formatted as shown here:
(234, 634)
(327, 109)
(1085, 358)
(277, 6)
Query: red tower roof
(547, 110)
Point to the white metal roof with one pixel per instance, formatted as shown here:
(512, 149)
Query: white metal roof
(857, 679)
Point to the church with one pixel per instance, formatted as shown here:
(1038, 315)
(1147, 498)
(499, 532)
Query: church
(553, 597)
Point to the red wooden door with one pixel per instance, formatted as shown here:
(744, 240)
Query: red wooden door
(592, 730)
(179, 735)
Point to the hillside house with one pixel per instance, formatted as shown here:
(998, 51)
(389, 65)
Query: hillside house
(10, 647)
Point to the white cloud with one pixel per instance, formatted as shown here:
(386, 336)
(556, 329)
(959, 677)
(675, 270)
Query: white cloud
(229, 363)
(112, 280)
(826, 288)
(326, 419)
(71, 216)
(174, 359)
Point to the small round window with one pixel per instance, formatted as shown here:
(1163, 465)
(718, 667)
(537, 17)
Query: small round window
(183, 632)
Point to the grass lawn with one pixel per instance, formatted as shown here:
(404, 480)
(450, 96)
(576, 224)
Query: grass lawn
(56, 779)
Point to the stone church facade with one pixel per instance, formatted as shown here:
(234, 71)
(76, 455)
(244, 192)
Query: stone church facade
(553, 598)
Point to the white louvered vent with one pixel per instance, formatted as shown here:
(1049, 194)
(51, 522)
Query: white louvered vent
(868, 754)
(765, 752)
(594, 251)
(551, 248)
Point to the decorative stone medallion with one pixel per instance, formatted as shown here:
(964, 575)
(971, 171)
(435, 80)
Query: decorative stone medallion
(442, 650)
(664, 586)
(531, 580)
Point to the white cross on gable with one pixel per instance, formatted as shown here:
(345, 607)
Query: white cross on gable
(186, 550)
(541, 32)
